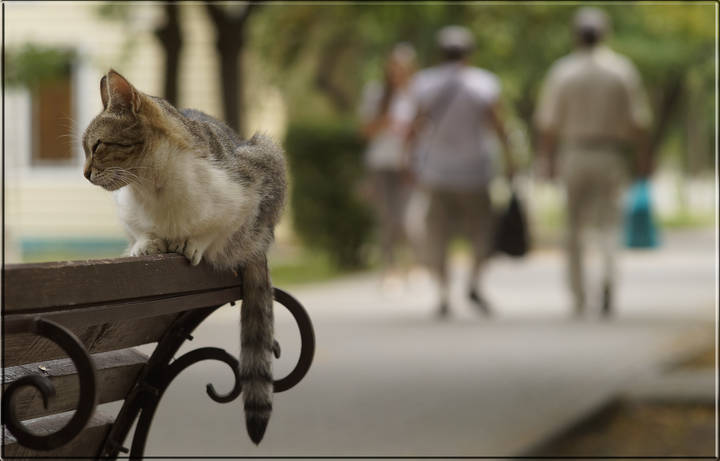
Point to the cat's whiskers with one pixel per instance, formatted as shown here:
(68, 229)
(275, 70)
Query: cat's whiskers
(140, 179)
(126, 179)
(119, 174)
(74, 137)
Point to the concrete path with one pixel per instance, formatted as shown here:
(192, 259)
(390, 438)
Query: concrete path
(390, 380)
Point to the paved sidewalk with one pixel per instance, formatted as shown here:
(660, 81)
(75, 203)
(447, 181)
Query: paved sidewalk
(389, 380)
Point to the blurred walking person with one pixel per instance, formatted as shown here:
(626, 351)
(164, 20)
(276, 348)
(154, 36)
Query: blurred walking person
(386, 112)
(457, 115)
(592, 108)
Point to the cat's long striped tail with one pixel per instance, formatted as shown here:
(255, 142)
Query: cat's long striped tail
(256, 340)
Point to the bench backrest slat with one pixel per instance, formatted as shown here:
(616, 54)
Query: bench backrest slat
(116, 374)
(87, 444)
(37, 287)
(27, 348)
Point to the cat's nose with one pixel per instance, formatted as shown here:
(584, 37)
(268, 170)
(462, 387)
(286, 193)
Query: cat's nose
(87, 171)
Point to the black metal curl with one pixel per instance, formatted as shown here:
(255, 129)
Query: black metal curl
(207, 353)
(166, 375)
(72, 346)
(307, 341)
(161, 369)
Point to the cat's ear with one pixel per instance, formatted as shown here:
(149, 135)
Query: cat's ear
(104, 95)
(121, 92)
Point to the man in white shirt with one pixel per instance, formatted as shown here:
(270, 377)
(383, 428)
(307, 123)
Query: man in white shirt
(458, 117)
(592, 107)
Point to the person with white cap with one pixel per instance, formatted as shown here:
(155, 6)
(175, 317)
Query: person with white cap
(592, 108)
(457, 120)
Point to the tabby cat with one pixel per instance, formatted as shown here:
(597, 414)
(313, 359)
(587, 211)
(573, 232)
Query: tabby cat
(186, 183)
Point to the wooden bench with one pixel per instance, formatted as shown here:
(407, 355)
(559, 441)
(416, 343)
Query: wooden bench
(69, 331)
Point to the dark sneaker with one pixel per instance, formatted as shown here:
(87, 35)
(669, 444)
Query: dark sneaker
(480, 303)
(607, 306)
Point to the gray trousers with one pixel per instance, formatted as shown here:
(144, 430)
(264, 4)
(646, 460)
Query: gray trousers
(593, 180)
(463, 213)
(390, 193)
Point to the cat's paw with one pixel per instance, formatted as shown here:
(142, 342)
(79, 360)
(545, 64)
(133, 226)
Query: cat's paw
(149, 246)
(191, 248)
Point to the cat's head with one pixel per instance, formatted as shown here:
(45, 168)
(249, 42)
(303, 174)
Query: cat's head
(115, 141)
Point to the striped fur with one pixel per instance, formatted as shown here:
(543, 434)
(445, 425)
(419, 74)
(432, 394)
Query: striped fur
(256, 342)
(186, 183)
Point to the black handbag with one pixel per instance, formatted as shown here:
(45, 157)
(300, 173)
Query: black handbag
(511, 234)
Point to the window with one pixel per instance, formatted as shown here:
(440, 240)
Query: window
(52, 122)
(44, 76)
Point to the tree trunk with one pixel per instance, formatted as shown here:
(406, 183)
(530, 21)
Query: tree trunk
(666, 108)
(232, 82)
(170, 38)
(525, 108)
(323, 76)
(230, 34)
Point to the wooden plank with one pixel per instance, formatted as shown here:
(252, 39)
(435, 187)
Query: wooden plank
(38, 287)
(116, 373)
(27, 348)
(127, 309)
(87, 444)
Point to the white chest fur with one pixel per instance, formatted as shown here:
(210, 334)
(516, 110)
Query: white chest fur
(189, 197)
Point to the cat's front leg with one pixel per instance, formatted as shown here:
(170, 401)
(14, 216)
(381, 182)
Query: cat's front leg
(148, 245)
(192, 248)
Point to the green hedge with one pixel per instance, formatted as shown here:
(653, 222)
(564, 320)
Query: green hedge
(32, 65)
(325, 160)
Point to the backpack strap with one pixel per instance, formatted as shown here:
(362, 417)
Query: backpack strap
(442, 102)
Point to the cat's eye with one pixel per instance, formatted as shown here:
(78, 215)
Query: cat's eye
(108, 143)
(118, 144)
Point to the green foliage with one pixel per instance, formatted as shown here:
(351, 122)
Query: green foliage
(306, 267)
(32, 65)
(517, 42)
(686, 220)
(325, 162)
(122, 14)
(113, 11)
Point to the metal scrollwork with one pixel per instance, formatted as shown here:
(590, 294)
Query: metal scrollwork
(207, 353)
(159, 380)
(307, 341)
(161, 370)
(72, 346)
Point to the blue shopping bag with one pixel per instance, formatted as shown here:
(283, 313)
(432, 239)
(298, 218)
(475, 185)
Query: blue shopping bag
(640, 227)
